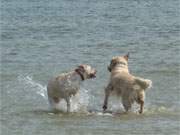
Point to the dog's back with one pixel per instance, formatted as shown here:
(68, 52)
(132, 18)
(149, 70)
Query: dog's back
(62, 85)
(121, 81)
(123, 84)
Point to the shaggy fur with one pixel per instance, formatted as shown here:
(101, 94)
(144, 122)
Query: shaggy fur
(65, 85)
(122, 83)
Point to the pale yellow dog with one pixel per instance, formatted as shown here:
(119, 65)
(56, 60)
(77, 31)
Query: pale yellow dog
(66, 85)
(124, 84)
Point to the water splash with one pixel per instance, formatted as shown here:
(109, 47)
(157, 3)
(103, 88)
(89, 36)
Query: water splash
(79, 102)
(39, 88)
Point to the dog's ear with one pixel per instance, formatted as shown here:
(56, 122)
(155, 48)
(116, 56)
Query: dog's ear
(126, 56)
(112, 64)
(109, 69)
(113, 61)
(80, 68)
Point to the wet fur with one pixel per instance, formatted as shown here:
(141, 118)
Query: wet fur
(122, 83)
(66, 85)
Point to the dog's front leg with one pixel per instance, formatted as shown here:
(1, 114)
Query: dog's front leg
(105, 101)
(68, 104)
(107, 93)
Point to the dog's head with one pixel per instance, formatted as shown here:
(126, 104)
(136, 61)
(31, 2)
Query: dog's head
(86, 71)
(121, 61)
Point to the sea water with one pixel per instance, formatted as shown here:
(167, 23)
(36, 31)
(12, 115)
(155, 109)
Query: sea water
(43, 38)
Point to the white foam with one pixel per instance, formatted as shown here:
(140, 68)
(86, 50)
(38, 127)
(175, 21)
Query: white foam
(104, 114)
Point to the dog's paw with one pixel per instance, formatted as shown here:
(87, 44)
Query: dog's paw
(104, 107)
(140, 111)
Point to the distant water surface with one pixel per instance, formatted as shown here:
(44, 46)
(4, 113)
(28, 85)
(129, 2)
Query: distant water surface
(43, 38)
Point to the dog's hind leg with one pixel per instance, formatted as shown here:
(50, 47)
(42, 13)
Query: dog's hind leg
(68, 104)
(54, 103)
(140, 100)
(126, 103)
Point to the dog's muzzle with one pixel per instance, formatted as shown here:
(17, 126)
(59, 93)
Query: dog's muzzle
(92, 75)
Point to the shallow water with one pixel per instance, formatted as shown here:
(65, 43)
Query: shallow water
(40, 39)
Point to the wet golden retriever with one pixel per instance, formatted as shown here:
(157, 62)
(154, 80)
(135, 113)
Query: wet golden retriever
(124, 84)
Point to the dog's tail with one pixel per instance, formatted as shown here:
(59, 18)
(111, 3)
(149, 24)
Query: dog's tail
(143, 83)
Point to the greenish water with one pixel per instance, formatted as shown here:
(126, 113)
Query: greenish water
(40, 39)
